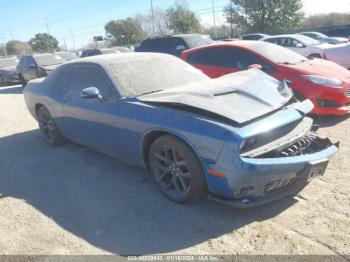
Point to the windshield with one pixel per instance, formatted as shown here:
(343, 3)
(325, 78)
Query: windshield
(198, 40)
(8, 62)
(49, 59)
(145, 74)
(277, 54)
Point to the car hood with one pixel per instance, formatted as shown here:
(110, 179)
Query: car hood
(240, 97)
(322, 67)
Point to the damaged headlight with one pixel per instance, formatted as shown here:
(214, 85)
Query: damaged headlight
(324, 81)
(248, 143)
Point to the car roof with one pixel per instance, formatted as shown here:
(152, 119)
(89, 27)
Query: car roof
(116, 58)
(236, 43)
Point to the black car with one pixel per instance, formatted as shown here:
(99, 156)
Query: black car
(175, 44)
(37, 65)
(8, 70)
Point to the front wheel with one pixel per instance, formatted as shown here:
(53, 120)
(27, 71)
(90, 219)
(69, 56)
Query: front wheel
(177, 170)
(22, 80)
(48, 128)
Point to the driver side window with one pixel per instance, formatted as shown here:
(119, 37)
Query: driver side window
(79, 77)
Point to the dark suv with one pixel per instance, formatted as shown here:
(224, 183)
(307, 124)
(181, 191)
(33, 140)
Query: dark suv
(37, 65)
(175, 44)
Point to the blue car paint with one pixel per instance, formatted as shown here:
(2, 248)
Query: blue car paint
(120, 128)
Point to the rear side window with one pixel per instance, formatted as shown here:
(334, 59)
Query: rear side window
(238, 58)
(272, 40)
(208, 56)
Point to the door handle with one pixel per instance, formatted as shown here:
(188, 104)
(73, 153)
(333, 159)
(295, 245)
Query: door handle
(66, 100)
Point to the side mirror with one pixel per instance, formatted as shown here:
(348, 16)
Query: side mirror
(91, 93)
(32, 66)
(256, 66)
(299, 45)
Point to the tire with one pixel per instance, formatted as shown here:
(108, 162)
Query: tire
(22, 80)
(48, 128)
(176, 170)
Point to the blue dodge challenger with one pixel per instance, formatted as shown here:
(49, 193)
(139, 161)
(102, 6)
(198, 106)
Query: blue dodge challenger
(241, 139)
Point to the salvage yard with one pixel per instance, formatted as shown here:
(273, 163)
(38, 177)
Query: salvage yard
(72, 200)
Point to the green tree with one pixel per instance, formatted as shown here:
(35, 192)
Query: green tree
(43, 43)
(182, 20)
(265, 16)
(16, 47)
(124, 32)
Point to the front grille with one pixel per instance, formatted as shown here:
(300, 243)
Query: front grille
(347, 92)
(278, 184)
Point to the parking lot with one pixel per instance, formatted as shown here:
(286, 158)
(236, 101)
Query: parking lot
(72, 200)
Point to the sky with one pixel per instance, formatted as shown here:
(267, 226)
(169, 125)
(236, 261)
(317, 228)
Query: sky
(81, 19)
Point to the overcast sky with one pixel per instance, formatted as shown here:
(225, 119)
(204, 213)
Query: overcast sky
(21, 19)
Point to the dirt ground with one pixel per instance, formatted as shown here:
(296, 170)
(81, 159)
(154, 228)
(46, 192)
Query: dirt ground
(72, 200)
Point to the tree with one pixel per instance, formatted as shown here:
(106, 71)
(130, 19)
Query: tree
(2, 51)
(222, 31)
(182, 20)
(43, 43)
(124, 32)
(326, 20)
(265, 16)
(16, 47)
(159, 20)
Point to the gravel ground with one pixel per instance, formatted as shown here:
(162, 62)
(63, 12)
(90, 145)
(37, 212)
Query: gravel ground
(72, 200)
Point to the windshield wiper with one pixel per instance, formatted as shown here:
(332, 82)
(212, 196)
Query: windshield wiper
(150, 92)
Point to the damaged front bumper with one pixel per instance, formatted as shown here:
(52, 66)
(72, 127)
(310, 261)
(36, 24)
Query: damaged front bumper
(284, 156)
(252, 182)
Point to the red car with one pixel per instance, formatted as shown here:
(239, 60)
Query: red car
(325, 83)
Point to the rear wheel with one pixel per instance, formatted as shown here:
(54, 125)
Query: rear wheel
(176, 169)
(48, 128)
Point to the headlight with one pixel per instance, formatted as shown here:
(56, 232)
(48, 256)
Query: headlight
(324, 81)
(247, 144)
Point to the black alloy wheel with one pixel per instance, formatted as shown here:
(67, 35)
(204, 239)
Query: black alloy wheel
(176, 169)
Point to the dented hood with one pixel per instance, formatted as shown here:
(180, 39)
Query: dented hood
(240, 97)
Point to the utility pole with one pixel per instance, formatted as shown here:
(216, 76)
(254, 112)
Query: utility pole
(47, 26)
(65, 44)
(71, 31)
(215, 30)
(152, 11)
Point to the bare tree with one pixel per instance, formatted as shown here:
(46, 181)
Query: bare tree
(159, 20)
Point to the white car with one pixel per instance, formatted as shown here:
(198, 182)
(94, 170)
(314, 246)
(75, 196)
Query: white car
(301, 44)
(324, 38)
(338, 53)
